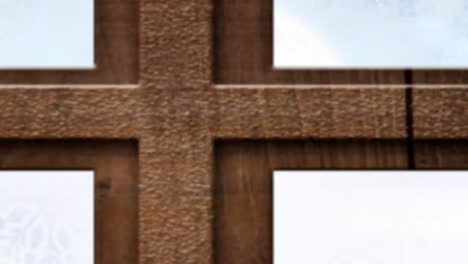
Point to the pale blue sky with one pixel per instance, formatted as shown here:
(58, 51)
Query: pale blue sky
(47, 34)
(371, 33)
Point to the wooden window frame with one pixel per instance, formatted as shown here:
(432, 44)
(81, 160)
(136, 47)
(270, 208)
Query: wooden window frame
(177, 110)
(243, 188)
(115, 167)
(243, 35)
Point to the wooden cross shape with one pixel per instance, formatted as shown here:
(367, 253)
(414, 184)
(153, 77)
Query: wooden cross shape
(182, 77)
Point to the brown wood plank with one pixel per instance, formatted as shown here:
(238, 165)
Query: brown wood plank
(243, 51)
(243, 185)
(440, 77)
(333, 112)
(116, 172)
(116, 51)
(440, 112)
(441, 154)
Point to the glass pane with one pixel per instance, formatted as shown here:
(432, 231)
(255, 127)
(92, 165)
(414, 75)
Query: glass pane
(46, 34)
(384, 217)
(371, 34)
(47, 217)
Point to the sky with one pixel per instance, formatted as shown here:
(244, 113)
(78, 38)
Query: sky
(45, 220)
(370, 217)
(370, 34)
(46, 34)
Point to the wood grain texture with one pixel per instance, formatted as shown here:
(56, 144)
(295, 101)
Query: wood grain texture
(175, 129)
(116, 186)
(226, 113)
(438, 77)
(327, 113)
(243, 37)
(116, 51)
(243, 185)
(176, 113)
(441, 154)
(440, 112)
(176, 44)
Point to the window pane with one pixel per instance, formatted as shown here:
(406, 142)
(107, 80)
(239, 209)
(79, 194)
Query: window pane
(371, 34)
(44, 34)
(47, 217)
(384, 217)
